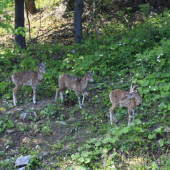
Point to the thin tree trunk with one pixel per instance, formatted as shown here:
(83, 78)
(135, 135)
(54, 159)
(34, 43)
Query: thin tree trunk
(78, 22)
(31, 6)
(19, 22)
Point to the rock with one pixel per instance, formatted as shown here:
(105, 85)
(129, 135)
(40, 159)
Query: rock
(40, 157)
(23, 168)
(7, 147)
(167, 129)
(45, 153)
(10, 105)
(15, 151)
(15, 121)
(7, 143)
(19, 109)
(61, 122)
(35, 114)
(24, 117)
(71, 119)
(10, 112)
(41, 121)
(22, 161)
(10, 131)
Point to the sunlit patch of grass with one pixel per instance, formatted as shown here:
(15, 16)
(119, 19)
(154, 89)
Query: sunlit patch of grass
(2, 109)
(135, 161)
(44, 3)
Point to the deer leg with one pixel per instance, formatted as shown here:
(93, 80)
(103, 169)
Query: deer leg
(112, 116)
(83, 98)
(133, 114)
(61, 96)
(57, 91)
(77, 94)
(34, 87)
(14, 94)
(129, 112)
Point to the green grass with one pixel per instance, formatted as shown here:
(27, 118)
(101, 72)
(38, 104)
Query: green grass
(136, 56)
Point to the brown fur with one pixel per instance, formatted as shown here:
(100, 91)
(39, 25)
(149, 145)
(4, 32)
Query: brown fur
(74, 83)
(28, 78)
(120, 98)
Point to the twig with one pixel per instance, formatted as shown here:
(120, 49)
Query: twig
(155, 160)
(87, 30)
(28, 20)
(95, 25)
(47, 35)
(40, 25)
(127, 22)
(104, 27)
(37, 38)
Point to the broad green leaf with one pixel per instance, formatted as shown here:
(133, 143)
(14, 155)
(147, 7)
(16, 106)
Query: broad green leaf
(81, 159)
(161, 142)
(75, 156)
(166, 88)
(3, 85)
(138, 121)
(125, 130)
(165, 94)
(87, 160)
(145, 83)
(98, 144)
(81, 168)
(88, 146)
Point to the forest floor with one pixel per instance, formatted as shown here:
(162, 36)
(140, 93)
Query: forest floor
(49, 129)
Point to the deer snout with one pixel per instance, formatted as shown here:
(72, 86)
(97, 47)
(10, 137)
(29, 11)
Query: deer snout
(92, 80)
(44, 71)
(130, 95)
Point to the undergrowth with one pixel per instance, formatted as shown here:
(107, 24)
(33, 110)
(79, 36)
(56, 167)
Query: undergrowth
(138, 56)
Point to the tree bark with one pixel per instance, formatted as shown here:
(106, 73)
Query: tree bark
(78, 22)
(19, 22)
(31, 6)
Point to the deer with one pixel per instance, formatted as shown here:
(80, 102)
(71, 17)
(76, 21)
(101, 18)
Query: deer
(28, 78)
(79, 85)
(122, 98)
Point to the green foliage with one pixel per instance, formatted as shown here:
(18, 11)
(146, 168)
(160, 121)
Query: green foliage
(139, 56)
(7, 165)
(33, 163)
(48, 111)
(5, 123)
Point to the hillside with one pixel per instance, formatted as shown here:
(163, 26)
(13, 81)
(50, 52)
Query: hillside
(61, 135)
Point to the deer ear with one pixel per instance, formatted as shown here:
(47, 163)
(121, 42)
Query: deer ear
(131, 89)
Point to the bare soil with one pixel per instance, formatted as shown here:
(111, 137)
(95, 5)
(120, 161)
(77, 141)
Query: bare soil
(63, 137)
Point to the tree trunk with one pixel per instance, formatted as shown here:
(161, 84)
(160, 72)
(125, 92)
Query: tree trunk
(31, 6)
(78, 22)
(19, 22)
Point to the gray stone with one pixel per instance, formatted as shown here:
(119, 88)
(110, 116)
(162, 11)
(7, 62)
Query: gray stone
(10, 130)
(22, 161)
(24, 117)
(35, 114)
(61, 122)
(23, 168)
(15, 151)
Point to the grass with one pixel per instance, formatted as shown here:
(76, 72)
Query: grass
(87, 140)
